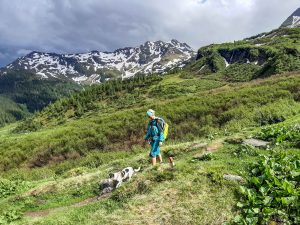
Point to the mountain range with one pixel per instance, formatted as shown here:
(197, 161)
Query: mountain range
(235, 139)
(96, 67)
(33, 81)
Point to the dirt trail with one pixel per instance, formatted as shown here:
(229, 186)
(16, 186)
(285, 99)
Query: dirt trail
(46, 212)
(214, 146)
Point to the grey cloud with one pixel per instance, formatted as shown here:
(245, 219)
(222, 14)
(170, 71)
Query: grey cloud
(66, 26)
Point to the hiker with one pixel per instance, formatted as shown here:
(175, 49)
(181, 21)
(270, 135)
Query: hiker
(155, 137)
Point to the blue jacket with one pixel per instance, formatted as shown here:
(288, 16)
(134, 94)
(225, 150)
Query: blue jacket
(155, 131)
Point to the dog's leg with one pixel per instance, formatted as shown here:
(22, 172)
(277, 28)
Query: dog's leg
(119, 183)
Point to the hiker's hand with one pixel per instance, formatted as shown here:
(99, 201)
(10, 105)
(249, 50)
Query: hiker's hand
(160, 143)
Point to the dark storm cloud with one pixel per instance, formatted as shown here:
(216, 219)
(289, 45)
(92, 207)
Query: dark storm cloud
(80, 26)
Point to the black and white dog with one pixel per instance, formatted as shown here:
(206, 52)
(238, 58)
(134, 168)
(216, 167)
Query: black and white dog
(128, 172)
(117, 177)
(120, 176)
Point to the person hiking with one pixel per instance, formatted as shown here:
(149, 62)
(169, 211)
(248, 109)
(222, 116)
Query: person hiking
(155, 137)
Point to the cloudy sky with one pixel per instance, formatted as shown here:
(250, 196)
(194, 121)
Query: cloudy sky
(71, 26)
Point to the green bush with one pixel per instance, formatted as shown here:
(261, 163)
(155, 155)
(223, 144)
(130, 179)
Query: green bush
(10, 216)
(281, 133)
(272, 192)
(245, 149)
(8, 187)
(273, 112)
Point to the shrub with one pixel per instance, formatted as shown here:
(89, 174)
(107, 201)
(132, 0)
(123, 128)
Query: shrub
(272, 192)
(281, 133)
(245, 149)
(7, 187)
(9, 216)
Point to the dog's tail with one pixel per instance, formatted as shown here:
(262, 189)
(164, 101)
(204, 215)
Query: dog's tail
(138, 169)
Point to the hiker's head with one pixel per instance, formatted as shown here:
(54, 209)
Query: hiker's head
(151, 114)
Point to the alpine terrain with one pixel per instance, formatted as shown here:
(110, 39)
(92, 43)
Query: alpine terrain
(234, 132)
(95, 67)
(293, 20)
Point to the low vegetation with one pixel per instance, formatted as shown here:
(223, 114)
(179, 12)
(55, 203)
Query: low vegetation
(52, 162)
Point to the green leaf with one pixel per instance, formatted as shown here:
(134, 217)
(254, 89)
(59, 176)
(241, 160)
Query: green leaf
(237, 219)
(243, 190)
(287, 187)
(255, 181)
(295, 173)
(240, 205)
(256, 210)
(263, 190)
(276, 181)
(268, 211)
(267, 200)
(288, 200)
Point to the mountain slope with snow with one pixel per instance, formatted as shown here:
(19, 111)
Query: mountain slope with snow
(293, 20)
(151, 57)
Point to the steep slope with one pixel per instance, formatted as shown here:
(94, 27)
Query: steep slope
(11, 111)
(293, 20)
(259, 56)
(59, 167)
(95, 66)
(22, 92)
(115, 117)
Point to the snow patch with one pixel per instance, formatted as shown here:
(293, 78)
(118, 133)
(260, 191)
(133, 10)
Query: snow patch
(296, 21)
(226, 63)
(80, 79)
(157, 57)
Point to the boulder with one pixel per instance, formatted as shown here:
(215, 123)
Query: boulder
(231, 177)
(256, 143)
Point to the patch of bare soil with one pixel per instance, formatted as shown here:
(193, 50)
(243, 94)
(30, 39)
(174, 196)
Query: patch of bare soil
(46, 212)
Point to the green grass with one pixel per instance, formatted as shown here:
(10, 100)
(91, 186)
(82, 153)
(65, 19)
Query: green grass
(265, 55)
(56, 158)
(219, 109)
(193, 191)
(185, 182)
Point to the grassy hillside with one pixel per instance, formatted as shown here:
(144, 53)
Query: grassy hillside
(51, 163)
(22, 92)
(194, 114)
(259, 56)
(192, 193)
(11, 111)
(60, 164)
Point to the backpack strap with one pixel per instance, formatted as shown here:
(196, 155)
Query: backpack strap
(159, 124)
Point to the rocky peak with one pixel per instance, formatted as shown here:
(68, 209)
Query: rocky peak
(96, 66)
(293, 20)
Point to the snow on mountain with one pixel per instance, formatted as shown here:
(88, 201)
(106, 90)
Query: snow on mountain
(293, 20)
(95, 66)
